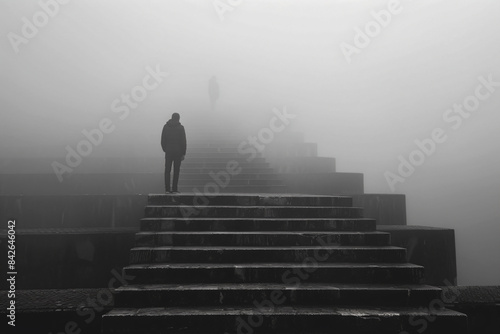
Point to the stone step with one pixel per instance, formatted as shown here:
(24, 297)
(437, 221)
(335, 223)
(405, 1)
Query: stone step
(240, 176)
(223, 158)
(196, 149)
(292, 150)
(275, 254)
(250, 200)
(260, 238)
(284, 319)
(210, 188)
(164, 211)
(303, 164)
(248, 294)
(257, 224)
(220, 164)
(246, 169)
(215, 143)
(201, 182)
(312, 271)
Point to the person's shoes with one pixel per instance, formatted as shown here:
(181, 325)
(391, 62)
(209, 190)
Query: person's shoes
(168, 192)
(175, 192)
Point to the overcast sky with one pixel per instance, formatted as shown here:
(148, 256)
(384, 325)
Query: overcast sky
(365, 108)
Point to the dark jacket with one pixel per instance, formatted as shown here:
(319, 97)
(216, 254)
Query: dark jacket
(173, 138)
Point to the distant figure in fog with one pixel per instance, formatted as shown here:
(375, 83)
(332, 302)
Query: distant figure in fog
(173, 143)
(213, 92)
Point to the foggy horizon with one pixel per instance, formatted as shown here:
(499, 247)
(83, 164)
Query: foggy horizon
(366, 110)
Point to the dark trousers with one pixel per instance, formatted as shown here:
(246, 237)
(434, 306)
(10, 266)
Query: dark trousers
(176, 160)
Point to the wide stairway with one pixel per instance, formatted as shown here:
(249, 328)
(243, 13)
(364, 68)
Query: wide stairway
(215, 166)
(244, 263)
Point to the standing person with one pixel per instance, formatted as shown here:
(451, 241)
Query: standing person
(173, 143)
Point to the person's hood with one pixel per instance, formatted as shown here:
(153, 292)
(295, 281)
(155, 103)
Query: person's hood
(172, 123)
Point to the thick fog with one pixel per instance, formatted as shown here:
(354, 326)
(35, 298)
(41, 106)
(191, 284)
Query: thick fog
(414, 104)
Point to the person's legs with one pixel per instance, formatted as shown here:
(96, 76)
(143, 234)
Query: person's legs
(168, 168)
(177, 168)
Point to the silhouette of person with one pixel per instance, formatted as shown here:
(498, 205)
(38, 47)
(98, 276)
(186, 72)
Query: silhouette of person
(173, 143)
(213, 91)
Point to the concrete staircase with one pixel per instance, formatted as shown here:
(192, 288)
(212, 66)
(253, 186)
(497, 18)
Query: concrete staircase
(208, 162)
(245, 263)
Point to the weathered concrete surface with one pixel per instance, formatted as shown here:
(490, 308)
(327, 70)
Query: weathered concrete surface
(73, 211)
(68, 258)
(45, 311)
(58, 311)
(480, 303)
(195, 287)
(250, 200)
(118, 211)
(92, 254)
(245, 294)
(258, 238)
(257, 224)
(387, 209)
(276, 254)
(82, 211)
(433, 248)
(473, 295)
(280, 319)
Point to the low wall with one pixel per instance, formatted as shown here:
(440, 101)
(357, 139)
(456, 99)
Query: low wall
(480, 303)
(433, 248)
(387, 209)
(79, 211)
(68, 258)
(81, 184)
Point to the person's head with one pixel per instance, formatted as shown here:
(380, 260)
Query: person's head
(176, 117)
